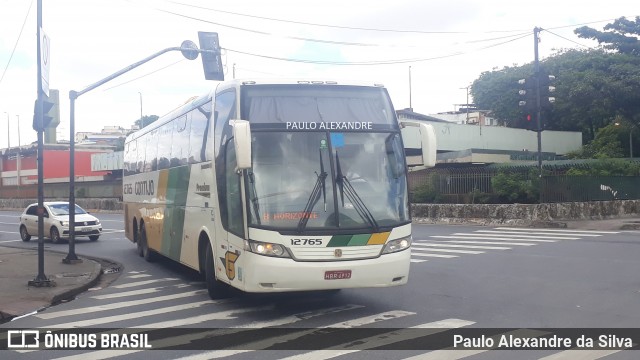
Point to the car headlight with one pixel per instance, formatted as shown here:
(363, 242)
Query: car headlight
(267, 249)
(397, 245)
(64, 223)
(97, 222)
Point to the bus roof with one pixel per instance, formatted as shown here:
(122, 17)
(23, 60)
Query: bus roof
(236, 83)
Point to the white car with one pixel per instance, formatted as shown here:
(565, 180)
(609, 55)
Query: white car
(56, 222)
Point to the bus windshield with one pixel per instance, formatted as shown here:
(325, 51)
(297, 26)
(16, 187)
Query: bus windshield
(327, 180)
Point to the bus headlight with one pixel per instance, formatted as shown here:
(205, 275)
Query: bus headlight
(397, 245)
(267, 249)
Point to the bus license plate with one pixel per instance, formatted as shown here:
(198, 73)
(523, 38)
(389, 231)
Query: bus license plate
(337, 274)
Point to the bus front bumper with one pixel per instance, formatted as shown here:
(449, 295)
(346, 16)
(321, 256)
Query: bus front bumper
(270, 274)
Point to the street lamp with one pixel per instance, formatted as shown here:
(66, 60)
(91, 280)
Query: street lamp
(8, 136)
(631, 127)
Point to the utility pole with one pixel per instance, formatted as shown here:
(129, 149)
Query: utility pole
(536, 75)
(410, 106)
(8, 133)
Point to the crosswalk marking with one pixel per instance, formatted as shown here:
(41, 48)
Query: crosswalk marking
(417, 260)
(118, 305)
(430, 249)
(433, 255)
(138, 276)
(287, 320)
(476, 237)
(580, 354)
(383, 339)
(140, 283)
(430, 244)
(220, 315)
(561, 235)
(488, 243)
(128, 293)
(133, 315)
(561, 230)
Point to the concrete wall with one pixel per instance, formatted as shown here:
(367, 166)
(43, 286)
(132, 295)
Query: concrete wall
(524, 214)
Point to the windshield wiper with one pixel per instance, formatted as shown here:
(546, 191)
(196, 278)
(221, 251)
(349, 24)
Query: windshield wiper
(254, 197)
(320, 187)
(345, 188)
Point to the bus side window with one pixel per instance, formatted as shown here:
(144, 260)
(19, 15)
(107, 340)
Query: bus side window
(180, 144)
(142, 146)
(151, 157)
(234, 199)
(164, 145)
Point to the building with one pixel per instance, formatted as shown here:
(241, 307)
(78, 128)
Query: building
(481, 141)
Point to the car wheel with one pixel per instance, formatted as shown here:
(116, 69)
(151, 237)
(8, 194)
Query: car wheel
(94, 237)
(216, 288)
(147, 253)
(24, 235)
(54, 235)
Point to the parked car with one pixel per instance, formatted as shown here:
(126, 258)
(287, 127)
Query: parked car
(56, 222)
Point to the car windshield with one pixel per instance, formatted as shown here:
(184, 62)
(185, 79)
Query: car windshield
(307, 180)
(63, 209)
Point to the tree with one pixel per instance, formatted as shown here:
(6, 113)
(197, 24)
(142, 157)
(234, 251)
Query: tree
(146, 120)
(606, 145)
(593, 87)
(618, 36)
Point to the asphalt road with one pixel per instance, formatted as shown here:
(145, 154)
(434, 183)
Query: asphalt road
(461, 276)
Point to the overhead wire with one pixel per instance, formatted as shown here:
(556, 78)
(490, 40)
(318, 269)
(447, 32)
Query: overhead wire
(562, 37)
(16, 44)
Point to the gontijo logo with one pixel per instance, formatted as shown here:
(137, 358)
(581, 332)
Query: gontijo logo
(23, 339)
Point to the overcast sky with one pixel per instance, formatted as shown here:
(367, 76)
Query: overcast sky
(447, 44)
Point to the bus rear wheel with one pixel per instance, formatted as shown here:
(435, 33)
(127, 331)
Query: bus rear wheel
(147, 253)
(217, 289)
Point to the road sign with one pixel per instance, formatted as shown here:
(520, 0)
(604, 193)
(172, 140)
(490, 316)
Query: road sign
(44, 61)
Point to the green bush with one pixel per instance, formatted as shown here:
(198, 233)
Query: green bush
(514, 187)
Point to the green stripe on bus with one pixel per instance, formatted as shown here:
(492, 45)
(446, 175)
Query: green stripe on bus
(359, 240)
(339, 240)
(174, 213)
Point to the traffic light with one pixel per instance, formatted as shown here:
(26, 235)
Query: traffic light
(211, 60)
(50, 111)
(530, 123)
(546, 90)
(528, 94)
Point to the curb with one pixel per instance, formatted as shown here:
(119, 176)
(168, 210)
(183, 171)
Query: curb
(93, 279)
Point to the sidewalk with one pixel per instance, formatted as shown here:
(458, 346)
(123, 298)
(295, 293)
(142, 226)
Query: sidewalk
(19, 266)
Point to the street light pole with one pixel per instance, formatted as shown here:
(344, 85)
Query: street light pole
(139, 93)
(8, 133)
(189, 50)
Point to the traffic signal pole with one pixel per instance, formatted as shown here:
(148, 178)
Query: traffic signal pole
(41, 279)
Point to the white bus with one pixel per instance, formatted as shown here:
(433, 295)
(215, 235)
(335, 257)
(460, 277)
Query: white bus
(276, 186)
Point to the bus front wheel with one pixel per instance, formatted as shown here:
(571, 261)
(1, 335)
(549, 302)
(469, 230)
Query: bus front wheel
(216, 288)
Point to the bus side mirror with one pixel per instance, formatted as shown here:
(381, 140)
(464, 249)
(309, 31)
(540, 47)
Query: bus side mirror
(242, 143)
(420, 144)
